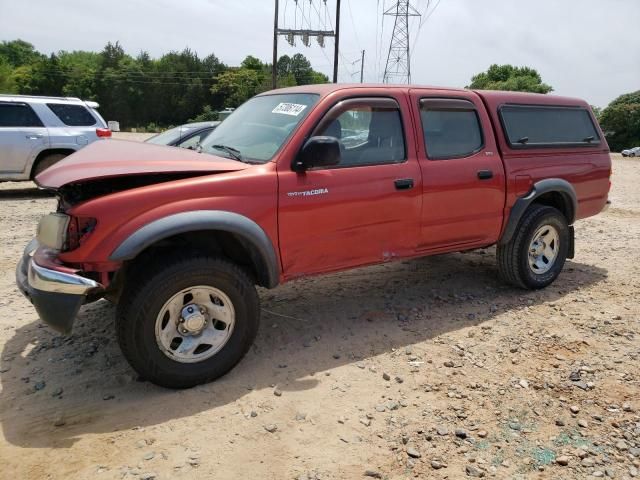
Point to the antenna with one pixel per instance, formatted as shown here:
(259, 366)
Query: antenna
(398, 67)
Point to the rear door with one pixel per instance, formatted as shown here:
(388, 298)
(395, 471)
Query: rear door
(463, 180)
(22, 136)
(364, 210)
(73, 125)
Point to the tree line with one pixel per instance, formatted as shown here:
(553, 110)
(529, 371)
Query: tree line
(142, 91)
(180, 86)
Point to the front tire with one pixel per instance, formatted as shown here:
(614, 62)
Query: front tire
(536, 254)
(187, 321)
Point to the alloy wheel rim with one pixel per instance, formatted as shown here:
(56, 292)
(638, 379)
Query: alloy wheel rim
(544, 249)
(195, 324)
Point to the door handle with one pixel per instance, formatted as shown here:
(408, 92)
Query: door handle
(485, 174)
(34, 136)
(404, 184)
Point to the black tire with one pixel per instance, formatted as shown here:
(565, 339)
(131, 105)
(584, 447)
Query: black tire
(46, 162)
(145, 294)
(513, 258)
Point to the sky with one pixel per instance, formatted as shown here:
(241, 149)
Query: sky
(583, 48)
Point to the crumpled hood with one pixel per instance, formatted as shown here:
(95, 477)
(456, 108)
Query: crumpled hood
(114, 158)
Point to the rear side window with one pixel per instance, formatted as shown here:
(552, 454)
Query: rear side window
(451, 128)
(72, 115)
(538, 126)
(18, 115)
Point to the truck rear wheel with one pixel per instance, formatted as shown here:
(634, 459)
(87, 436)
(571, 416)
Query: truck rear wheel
(46, 162)
(534, 257)
(187, 321)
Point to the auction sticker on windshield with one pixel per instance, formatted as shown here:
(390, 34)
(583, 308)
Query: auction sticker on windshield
(293, 109)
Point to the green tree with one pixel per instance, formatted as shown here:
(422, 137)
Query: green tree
(508, 77)
(207, 115)
(237, 85)
(80, 69)
(252, 63)
(620, 122)
(138, 91)
(19, 53)
(7, 81)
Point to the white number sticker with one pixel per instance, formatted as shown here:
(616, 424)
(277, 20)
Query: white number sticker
(293, 109)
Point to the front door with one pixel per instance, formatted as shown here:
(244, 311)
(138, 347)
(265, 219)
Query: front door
(463, 179)
(364, 210)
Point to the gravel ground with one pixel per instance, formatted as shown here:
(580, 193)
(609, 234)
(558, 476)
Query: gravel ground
(428, 368)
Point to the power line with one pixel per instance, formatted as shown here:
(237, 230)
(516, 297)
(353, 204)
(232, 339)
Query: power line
(307, 33)
(423, 20)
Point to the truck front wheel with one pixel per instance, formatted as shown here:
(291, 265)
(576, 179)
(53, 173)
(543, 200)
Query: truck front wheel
(536, 253)
(187, 321)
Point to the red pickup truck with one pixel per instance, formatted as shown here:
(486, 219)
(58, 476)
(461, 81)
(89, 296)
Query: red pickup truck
(303, 181)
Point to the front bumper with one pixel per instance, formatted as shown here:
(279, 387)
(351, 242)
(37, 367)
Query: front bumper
(55, 293)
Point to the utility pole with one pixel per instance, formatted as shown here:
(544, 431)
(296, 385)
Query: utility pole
(398, 59)
(274, 68)
(336, 50)
(362, 67)
(305, 34)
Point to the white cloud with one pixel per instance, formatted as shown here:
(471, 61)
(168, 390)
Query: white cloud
(583, 48)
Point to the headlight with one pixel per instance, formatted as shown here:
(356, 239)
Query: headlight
(52, 230)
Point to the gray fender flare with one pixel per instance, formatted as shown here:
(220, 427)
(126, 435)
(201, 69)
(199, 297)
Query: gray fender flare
(548, 185)
(254, 237)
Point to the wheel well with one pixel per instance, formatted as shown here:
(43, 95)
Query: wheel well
(559, 201)
(212, 242)
(46, 153)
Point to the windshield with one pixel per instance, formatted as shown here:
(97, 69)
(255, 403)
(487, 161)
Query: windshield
(169, 136)
(258, 128)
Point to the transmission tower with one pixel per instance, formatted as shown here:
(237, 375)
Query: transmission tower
(398, 67)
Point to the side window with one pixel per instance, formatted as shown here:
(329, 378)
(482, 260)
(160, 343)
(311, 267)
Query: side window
(72, 115)
(538, 126)
(451, 128)
(369, 130)
(194, 141)
(18, 115)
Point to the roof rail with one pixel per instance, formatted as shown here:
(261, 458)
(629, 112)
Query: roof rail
(70, 99)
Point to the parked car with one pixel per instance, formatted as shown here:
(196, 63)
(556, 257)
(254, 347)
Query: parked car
(632, 152)
(36, 132)
(178, 239)
(188, 136)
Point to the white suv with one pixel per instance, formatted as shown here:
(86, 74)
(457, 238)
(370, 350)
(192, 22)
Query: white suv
(36, 132)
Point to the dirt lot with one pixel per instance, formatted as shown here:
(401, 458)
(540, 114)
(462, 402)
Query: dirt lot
(427, 368)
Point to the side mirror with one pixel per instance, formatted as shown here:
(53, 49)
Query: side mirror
(318, 152)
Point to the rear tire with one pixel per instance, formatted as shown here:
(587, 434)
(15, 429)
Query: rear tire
(46, 162)
(193, 341)
(538, 249)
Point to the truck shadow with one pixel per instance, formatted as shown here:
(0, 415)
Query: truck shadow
(308, 326)
(24, 193)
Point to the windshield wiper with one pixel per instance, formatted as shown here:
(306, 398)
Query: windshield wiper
(234, 152)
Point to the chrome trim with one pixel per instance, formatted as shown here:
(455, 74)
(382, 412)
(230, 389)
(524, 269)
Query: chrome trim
(48, 280)
(31, 247)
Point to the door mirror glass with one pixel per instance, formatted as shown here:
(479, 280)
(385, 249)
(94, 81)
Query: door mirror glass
(318, 152)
